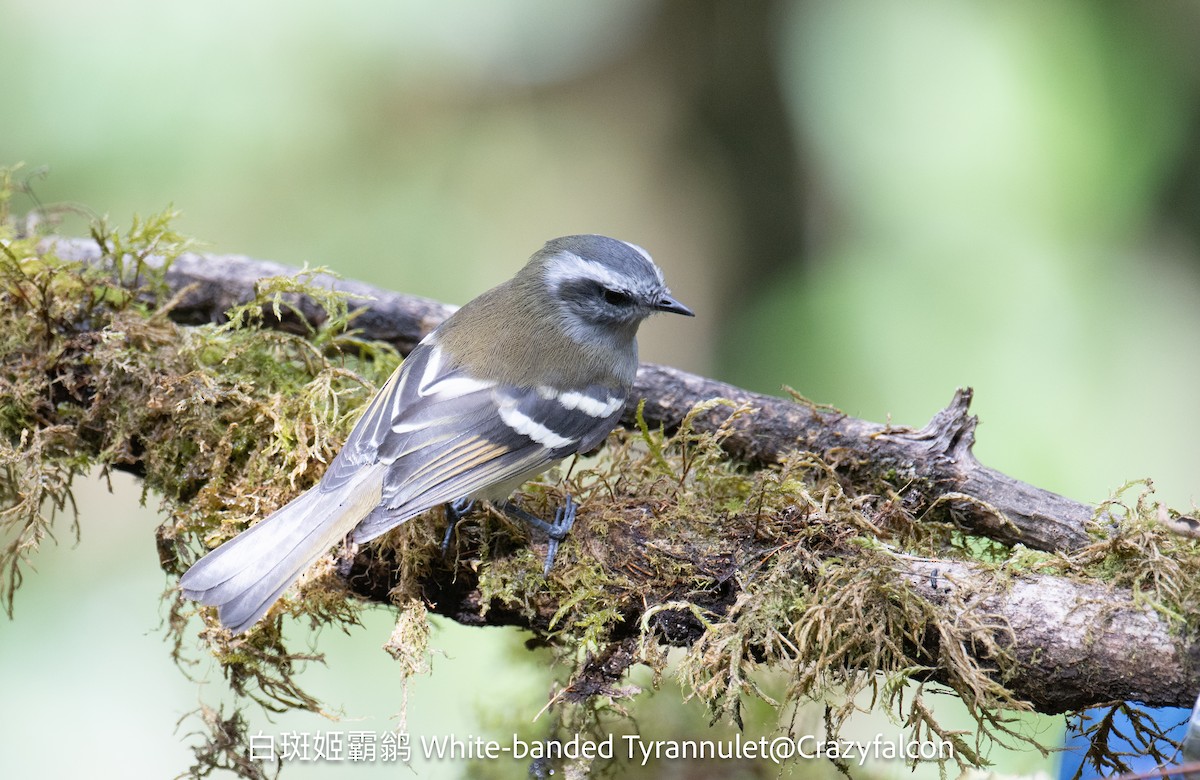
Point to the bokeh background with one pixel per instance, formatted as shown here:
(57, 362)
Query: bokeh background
(872, 202)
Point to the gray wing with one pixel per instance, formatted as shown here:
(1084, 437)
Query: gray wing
(445, 435)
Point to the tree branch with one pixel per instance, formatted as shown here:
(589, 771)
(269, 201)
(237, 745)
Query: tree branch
(1081, 643)
(933, 469)
(1075, 643)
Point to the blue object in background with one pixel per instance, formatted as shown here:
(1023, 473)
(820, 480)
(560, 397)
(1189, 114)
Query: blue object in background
(1076, 744)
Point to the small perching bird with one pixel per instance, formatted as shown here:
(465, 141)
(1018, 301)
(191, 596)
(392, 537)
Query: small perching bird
(530, 372)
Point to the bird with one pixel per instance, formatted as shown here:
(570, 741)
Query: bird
(528, 373)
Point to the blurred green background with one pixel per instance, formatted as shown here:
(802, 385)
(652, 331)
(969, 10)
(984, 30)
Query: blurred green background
(871, 202)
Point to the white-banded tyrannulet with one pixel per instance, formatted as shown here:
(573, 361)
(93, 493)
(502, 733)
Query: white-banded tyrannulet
(530, 372)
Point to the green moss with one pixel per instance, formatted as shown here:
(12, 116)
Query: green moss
(224, 422)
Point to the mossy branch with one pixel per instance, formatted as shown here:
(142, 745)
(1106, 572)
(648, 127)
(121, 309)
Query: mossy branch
(750, 530)
(931, 473)
(932, 470)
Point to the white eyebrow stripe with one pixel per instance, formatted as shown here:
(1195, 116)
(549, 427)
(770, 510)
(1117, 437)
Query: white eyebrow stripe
(593, 407)
(522, 424)
(566, 266)
(649, 259)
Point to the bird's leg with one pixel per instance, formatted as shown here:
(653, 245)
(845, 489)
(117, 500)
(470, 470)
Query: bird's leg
(455, 511)
(345, 555)
(564, 518)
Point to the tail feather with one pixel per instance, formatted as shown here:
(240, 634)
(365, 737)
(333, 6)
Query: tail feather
(247, 574)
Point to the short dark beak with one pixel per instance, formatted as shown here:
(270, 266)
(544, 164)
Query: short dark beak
(667, 303)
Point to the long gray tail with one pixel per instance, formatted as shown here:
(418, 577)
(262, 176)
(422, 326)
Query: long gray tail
(247, 574)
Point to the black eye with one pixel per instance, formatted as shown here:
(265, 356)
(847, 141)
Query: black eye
(617, 298)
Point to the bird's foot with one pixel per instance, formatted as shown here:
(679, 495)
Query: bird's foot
(557, 530)
(455, 511)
